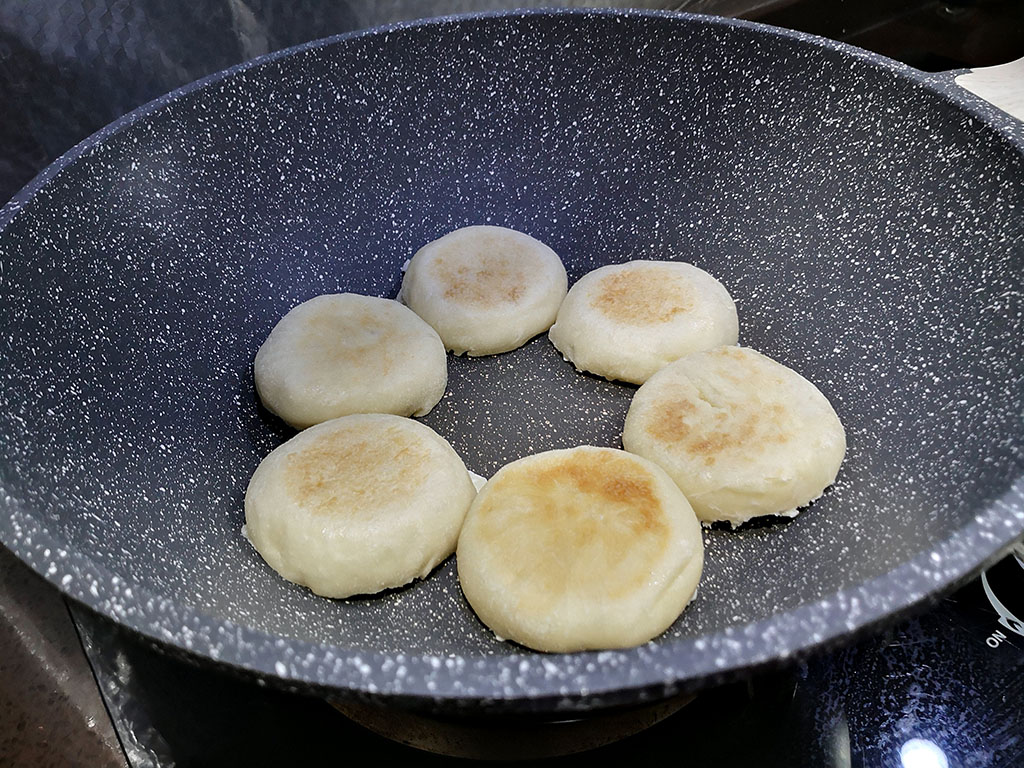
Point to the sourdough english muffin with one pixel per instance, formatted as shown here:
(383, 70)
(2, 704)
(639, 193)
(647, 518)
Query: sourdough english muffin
(626, 321)
(345, 353)
(577, 549)
(485, 290)
(741, 434)
(358, 504)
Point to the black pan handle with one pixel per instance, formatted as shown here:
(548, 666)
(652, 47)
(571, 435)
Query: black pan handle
(1001, 86)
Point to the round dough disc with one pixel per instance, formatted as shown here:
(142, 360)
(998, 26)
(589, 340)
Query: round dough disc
(741, 434)
(585, 548)
(626, 321)
(345, 353)
(485, 290)
(358, 504)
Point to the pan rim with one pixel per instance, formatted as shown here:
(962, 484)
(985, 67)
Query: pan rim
(525, 680)
(521, 681)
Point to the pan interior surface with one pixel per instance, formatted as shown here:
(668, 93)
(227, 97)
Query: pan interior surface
(869, 231)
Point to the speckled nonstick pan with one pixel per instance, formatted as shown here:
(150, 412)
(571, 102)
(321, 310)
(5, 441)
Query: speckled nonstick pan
(867, 218)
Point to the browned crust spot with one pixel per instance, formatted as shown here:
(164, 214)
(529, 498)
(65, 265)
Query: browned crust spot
(358, 338)
(670, 421)
(642, 296)
(349, 470)
(748, 427)
(489, 270)
(608, 477)
(587, 524)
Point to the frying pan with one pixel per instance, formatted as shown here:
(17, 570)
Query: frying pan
(866, 217)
